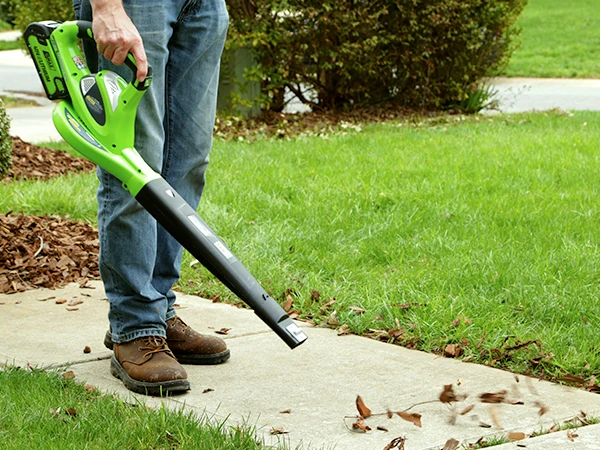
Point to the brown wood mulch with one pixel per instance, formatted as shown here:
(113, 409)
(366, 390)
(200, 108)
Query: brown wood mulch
(45, 251)
(32, 162)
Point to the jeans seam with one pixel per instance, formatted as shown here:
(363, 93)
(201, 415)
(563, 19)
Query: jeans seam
(189, 8)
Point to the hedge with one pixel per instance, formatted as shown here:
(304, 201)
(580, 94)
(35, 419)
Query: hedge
(5, 142)
(342, 53)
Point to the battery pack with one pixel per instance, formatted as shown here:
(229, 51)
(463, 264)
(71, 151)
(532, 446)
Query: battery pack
(37, 38)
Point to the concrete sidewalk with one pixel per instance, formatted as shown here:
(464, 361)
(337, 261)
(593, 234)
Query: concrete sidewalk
(318, 381)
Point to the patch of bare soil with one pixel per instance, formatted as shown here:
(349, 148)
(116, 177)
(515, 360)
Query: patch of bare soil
(45, 251)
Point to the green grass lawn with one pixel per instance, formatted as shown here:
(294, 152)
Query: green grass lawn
(491, 220)
(559, 39)
(43, 411)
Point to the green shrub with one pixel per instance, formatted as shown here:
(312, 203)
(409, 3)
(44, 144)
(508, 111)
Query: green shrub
(5, 142)
(27, 11)
(339, 53)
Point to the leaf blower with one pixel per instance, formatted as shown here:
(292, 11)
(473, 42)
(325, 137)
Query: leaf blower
(96, 115)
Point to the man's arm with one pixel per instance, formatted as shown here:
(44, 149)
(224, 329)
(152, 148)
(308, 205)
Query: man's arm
(116, 35)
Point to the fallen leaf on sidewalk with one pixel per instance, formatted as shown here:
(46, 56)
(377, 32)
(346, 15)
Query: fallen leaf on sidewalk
(362, 408)
(448, 395)
(413, 418)
(493, 397)
(60, 301)
(286, 411)
(397, 443)
(451, 444)
(223, 331)
(207, 390)
(360, 425)
(75, 302)
(516, 436)
(87, 349)
(279, 430)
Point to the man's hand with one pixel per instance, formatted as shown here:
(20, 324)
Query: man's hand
(116, 35)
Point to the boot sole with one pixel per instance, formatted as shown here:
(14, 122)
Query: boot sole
(183, 358)
(159, 389)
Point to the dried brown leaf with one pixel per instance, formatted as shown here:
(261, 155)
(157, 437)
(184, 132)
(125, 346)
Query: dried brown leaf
(451, 444)
(87, 349)
(448, 395)
(382, 428)
(363, 411)
(397, 443)
(207, 390)
(467, 410)
(60, 301)
(516, 436)
(357, 309)
(279, 430)
(413, 418)
(223, 331)
(494, 417)
(68, 375)
(286, 411)
(288, 304)
(360, 425)
(493, 397)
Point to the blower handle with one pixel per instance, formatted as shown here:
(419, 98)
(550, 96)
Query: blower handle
(85, 32)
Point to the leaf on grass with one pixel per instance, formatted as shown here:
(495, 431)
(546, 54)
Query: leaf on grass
(88, 387)
(68, 375)
(413, 418)
(362, 408)
(516, 436)
(448, 395)
(571, 379)
(54, 412)
(451, 444)
(357, 309)
(332, 319)
(360, 425)
(288, 304)
(279, 430)
(453, 351)
(71, 412)
(315, 295)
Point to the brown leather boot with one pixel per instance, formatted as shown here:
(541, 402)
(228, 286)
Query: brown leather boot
(147, 366)
(189, 346)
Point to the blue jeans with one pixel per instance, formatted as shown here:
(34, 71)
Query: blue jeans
(139, 260)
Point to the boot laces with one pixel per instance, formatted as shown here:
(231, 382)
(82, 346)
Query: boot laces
(154, 344)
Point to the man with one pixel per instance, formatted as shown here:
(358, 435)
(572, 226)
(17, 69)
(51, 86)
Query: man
(182, 40)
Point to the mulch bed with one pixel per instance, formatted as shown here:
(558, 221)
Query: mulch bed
(45, 251)
(40, 163)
